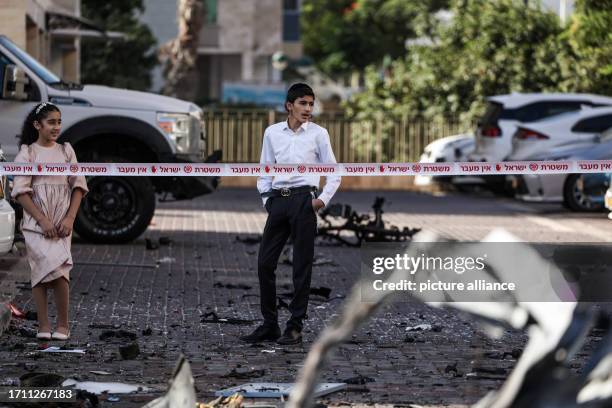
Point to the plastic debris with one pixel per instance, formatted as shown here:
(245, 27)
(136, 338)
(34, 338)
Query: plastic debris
(276, 390)
(15, 312)
(105, 387)
(420, 327)
(56, 349)
(97, 372)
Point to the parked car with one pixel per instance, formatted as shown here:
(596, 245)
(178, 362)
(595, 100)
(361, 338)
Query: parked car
(7, 216)
(108, 125)
(448, 149)
(570, 128)
(505, 113)
(578, 192)
(608, 197)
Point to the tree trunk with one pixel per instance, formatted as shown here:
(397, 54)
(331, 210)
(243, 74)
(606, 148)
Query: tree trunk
(180, 55)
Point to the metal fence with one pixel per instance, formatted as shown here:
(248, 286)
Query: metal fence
(239, 133)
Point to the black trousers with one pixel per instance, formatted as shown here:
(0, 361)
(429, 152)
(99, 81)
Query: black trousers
(287, 217)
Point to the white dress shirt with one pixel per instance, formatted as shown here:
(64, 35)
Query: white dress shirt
(310, 144)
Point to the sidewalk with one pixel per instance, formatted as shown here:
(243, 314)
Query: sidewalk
(174, 299)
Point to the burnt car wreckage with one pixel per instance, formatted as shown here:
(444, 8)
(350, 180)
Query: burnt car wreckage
(364, 228)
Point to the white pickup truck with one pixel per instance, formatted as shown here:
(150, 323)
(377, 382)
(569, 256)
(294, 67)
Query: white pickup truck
(108, 125)
(7, 216)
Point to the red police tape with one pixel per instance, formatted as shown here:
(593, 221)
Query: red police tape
(340, 169)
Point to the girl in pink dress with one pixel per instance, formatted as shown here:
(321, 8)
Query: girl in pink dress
(50, 206)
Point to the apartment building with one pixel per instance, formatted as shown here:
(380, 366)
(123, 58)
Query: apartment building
(49, 30)
(237, 42)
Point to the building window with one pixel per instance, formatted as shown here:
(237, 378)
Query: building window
(291, 20)
(211, 11)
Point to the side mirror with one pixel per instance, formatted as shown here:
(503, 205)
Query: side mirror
(14, 84)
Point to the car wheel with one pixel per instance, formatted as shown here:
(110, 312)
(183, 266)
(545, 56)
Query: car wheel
(579, 194)
(116, 209)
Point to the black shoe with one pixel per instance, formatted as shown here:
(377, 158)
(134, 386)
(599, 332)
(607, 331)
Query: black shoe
(262, 333)
(290, 336)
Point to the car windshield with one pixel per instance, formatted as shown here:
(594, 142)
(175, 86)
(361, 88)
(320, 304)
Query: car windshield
(40, 70)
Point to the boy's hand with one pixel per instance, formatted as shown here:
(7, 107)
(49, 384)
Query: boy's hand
(48, 228)
(65, 227)
(317, 204)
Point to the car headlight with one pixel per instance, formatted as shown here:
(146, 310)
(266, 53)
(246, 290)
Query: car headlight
(180, 127)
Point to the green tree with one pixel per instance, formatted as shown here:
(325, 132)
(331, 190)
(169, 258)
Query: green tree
(125, 63)
(590, 39)
(346, 35)
(488, 48)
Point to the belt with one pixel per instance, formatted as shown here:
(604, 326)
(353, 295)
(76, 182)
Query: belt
(287, 192)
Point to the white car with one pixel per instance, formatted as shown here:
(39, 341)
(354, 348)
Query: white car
(447, 149)
(7, 217)
(578, 192)
(506, 112)
(581, 127)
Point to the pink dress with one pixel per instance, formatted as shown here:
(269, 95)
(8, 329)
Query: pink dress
(49, 258)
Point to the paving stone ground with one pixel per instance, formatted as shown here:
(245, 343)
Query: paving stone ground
(172, 289)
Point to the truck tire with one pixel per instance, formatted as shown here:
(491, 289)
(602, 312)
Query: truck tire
(116, 209)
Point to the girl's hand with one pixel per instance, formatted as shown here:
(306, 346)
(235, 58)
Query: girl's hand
(65, 227)
(48, 228)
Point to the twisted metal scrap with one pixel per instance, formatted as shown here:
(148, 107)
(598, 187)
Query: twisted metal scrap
(535, 381)
(354, 314)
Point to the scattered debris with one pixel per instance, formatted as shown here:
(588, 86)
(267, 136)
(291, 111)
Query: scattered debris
(165, 241)
(119, 334)
(321, 291)
(27, 332)
(249, 240)
(15, 312)
(364, 229)
(277, 390)
(166, 260)
(232, 286)
(420, 327)
(358, 380)
(130, 351)
(103, 326)
(99, 388)
(63, 349)
(181, 391)
(31, 315)
(451, 369)
(242, 375)
(212, 317)
(100, 372)
(40, 380)
(320, 261)
(150, 244)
